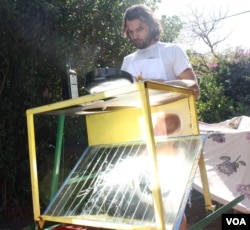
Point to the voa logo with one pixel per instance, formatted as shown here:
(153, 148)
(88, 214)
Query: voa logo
(236, 221)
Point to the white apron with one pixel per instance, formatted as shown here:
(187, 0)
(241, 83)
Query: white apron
(151, 68)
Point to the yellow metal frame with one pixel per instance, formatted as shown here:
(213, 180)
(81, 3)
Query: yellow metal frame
(145, 110)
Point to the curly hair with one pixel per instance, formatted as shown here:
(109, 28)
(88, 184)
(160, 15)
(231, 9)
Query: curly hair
(144, 14)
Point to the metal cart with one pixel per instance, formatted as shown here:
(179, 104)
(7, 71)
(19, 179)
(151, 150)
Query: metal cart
(137, 170)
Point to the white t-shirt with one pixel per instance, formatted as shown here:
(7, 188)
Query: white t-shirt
(162, 61)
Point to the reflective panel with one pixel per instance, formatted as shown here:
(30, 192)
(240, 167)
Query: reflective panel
(112, 183)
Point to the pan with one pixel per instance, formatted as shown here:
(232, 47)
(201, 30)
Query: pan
(105, 79)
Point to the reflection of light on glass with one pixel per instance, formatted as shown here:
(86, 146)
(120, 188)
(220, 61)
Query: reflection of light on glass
(124, 172)
(135, 173)
(105, 86)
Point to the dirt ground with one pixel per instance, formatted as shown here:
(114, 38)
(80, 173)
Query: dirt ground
(194, 213)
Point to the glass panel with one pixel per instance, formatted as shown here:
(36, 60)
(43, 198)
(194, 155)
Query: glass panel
(112, 183)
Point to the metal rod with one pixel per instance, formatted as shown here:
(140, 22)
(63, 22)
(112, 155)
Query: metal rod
(57, 159)
(156, 189)
(213, 216)
(33, 164)
(204, 179)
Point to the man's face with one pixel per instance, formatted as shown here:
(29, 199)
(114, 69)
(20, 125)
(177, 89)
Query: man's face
(139, 34)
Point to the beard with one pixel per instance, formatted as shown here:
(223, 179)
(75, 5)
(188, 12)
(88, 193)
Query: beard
(143, 43)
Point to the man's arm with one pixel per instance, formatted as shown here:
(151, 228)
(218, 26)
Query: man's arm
(188, 74)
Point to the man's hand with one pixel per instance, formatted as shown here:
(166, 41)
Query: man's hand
(188, 74)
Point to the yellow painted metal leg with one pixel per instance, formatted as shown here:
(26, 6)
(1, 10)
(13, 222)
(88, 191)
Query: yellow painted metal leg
(33, 166)
(156, 190)
(206, 193)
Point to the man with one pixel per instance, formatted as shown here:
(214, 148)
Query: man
(154, 60)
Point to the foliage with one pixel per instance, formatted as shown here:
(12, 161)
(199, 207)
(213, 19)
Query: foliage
(213, 105)
(234, 72)
(224, 86)
(27, 41)
(171, 28)
(40, 40)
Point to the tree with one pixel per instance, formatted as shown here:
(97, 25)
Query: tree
(233, 71)
(39, 38)
(223, 80)
(224, 87)
(27, 41)
(206, 29)
(171, 28)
